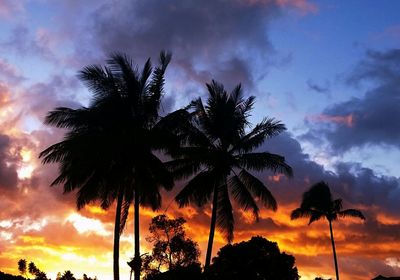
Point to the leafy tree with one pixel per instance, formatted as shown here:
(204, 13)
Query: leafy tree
(68, 275)
(40, 275)
(107, 153)
(22, 266)
(85, 277)
(255, 259)
(172, 250)
(317, 203)
(32, 268)
(219, 152)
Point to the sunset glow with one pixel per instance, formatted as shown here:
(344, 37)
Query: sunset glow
(328, 70)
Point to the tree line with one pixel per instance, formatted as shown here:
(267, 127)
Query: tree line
(110, 152)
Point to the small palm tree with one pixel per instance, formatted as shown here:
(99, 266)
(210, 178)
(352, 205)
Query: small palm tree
(219, 153)
(22, 266)
(317, 203)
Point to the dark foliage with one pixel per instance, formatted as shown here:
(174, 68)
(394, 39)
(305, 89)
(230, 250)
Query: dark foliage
(6, 276)
(218, 157)
(107, 152)
(255, 259)
(22, 266)
(67, 275)
(85, 277)
(191, 272)
(36, 272)
(172, 249)
(318, 203)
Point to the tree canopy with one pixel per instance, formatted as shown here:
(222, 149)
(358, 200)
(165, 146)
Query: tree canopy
(256, 259)
(172, 249)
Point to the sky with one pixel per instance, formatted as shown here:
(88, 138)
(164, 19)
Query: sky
(329, 70)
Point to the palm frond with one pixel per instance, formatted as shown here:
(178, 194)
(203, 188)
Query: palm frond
(202, 119)
(243, 196)
(300, 213)
(157, 169)
(100, 81)
(318, 197)
(157, 81)
(183, 168)
(198, 190)
(262, 161)
(145, 75)
(225, 220)
(337, 205)
(351, 213)
(62, 117)
(258, 189)
(146, 186)
(237, 95)
(315, 216)
(261, 132)
(246, 106)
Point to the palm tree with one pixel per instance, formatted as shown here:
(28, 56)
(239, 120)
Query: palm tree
(107, 153)
(219, 152)
(22, 266)
(318, 203)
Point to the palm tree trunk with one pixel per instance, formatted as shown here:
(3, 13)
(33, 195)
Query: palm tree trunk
(116, 236)
(334, 250)
(137, 260)
(212, 229)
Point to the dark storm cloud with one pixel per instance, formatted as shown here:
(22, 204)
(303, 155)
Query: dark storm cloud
(373, 118)
(221, 39)
(357, 185)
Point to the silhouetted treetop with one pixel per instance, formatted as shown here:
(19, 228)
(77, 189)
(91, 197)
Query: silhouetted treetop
(172, 249)
(255, 259)
(318, 203)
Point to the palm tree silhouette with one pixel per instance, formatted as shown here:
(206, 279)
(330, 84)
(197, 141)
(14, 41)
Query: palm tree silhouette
(107, 153)
(318, 203)
(218, 152)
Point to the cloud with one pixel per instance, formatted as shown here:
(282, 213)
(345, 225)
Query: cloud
(24, 42)
(375, 195)
(318, 88)
(371, 119)
(8, 172)
(214, 39)
(9, 72)
(43, 212)
(8, 8)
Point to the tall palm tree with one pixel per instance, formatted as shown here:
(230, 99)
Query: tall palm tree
(107, 153)
(317, 203)
(218, 152)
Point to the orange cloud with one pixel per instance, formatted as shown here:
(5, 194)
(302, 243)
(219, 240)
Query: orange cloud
(343, 120)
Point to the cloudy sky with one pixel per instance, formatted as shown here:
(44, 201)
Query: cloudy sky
(329, 70)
